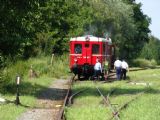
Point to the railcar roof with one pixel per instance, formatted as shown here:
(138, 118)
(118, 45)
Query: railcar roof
(91, 38)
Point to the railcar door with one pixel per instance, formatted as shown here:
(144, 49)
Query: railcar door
(77, 53)
(95, 52)
(87, 53)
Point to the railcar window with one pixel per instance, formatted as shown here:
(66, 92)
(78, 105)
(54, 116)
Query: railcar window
(104, 48)
(95, 49)
(77, 48)
(112, 50)
(86, 45)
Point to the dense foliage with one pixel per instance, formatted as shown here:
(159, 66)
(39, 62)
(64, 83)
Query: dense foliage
(151, 50)
(32, 27)
(41, 67)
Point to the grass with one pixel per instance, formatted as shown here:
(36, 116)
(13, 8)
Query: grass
(41, 65)
(149, 75)
(145, 108)
(29, 88)
(28, 96)
(89, 105)
(89, 113)
(144, 62)
(11, 111)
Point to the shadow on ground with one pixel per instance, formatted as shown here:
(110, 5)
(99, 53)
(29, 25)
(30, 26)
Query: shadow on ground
(117, 91)
(36, 90)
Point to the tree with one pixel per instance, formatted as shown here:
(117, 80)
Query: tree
(19, 21)
(33, 27)
(151, 50)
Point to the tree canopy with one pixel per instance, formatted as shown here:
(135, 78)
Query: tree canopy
(31, 27)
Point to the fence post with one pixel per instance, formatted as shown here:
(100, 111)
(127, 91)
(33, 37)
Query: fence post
(52, 59)
(17, 94)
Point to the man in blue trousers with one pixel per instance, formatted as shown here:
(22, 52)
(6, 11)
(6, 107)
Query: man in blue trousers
(117, 67)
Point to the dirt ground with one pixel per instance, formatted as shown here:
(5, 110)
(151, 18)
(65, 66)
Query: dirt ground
(49, 102)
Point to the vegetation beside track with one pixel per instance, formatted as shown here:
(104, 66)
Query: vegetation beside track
(29, 88)
(89, 105)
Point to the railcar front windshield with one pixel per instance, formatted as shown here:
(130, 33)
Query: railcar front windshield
(95, 49)
(78, 48)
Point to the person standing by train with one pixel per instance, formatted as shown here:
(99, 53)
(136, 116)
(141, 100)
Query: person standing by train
(75, 69)
(125, 68)
(106, 68)
(117, 67)
(97, 69)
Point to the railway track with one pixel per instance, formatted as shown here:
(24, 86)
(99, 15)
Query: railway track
(69, 100)
(115, 111)
(108, 103)
(61, 115)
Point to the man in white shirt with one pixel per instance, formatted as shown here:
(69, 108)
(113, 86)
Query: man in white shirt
(117, 66)
(97, 69)
(124, 69)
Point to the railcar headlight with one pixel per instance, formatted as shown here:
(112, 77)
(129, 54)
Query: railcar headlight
(75, 59)
(87, 38)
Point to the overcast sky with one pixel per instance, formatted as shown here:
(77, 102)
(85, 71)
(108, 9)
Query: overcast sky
(152, 9)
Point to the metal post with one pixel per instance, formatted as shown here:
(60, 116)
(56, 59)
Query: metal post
(17, 95)
(52, 59)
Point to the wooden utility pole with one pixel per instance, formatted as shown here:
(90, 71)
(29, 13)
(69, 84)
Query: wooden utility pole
(52, 59)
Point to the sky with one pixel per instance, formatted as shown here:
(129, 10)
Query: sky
(152, 9)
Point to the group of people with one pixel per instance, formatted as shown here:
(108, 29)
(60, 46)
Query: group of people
(121, 68)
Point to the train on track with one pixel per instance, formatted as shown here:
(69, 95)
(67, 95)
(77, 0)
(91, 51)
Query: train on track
(84, 51)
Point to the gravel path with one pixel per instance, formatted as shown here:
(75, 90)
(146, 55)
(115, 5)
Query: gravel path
(49, 102)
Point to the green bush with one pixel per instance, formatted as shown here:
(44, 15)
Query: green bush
(60, 66)
(153, 63)
(9, 73)
(3, 61)
(140, 62)
(151, 50)
(41, 65)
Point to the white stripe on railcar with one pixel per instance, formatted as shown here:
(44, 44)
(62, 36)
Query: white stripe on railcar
(76, 54)
(96, 39)
(91, 55)
(99, 55)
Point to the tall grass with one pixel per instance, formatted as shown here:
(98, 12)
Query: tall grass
(144, 63)
(29, 88)
(89, 105)
(60, 66)
(41, 65)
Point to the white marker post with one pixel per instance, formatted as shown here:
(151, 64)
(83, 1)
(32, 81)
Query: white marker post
(52, 59)
(17, 95)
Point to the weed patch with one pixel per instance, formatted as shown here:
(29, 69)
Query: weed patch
(145, 106)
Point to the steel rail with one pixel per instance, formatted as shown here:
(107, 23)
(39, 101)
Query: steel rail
(61, 115)
(128, 102)
(115, 112)
(71, 97)
(108, 103)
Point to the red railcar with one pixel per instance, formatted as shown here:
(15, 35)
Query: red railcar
(85, 50)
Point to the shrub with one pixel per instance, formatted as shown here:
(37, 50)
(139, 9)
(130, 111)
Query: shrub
(140, 62)
(41, 65)
(59, 67)
(153, 63)
(2, 61)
